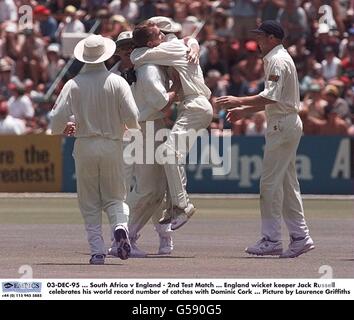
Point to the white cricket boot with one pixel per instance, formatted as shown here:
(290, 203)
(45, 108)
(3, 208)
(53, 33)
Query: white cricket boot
(136, 252)
(265, 247)
(121, 236)
(181, 216)
(298, 247)
(165, 236)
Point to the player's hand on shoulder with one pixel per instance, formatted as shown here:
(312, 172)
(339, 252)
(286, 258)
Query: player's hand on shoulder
(193, 55)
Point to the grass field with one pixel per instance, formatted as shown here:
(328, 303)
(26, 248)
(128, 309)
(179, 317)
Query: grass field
(48, 235)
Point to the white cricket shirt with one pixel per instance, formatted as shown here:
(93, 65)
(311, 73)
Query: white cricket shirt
(101, 102)
(281, 83)
(174, 54)
(150, 91)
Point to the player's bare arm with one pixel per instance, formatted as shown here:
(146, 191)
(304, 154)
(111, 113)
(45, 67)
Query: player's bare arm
(240, 107)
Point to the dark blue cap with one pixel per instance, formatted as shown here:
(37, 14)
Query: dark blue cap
(271, 27)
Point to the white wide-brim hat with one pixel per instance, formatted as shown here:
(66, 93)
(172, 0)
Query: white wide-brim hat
(94, 49)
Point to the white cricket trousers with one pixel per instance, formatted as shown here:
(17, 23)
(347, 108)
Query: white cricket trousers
(100, 186)
(195, 113)
(147, 198)
(129, 164)
(279, 187)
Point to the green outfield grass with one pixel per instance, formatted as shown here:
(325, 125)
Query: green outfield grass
(66, 211)
(47, 233)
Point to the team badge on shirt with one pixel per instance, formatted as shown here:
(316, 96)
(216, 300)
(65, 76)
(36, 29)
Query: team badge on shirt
(273, 77)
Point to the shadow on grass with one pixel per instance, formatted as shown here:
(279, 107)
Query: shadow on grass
(77, 264)
(255, 257)
(162, 256)
(348, 260)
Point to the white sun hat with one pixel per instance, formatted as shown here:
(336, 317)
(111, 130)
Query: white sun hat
(166, 25)
(53, 47)
(94, 49)
(124, 37)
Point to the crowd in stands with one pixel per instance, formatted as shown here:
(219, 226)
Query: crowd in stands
(319, 37)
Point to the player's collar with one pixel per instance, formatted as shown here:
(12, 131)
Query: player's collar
(93, 67)
(272, 52)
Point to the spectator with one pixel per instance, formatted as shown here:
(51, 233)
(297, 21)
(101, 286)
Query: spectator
(215, 83)
(127, 8)
(257, 125)
(315, 10)
(58, 6)
(313, 75)
(330, 65)
(214, 62)
(311, 125)
(47, 24)
(71, 23)
(195, 9)
(222, 24)
(20, 105)
(11, 46)
(237, 86)
(118, 24)
(32, 60)
(348, 61)
(343, 47)
(147, 9)
(105, 27)
(323, 40)
(55, 63)
(5, 77)
(92, 5)
(189, 25)
(251, 68)
(8, 11)
(270, 9)
(9, 124)
(314, 102)
(294, 21)
(180, 11)
(337, 104)
(300, 55)
(245, 18)
(28, 54)
(334, 125)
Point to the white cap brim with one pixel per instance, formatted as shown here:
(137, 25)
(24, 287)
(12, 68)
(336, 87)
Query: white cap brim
(110, 48)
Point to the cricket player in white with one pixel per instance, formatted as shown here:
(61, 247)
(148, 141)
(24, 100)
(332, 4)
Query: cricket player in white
(279, 187)
(195, 111)
(150, 90)
(146, 199)
(103, 105)
(123, 68)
